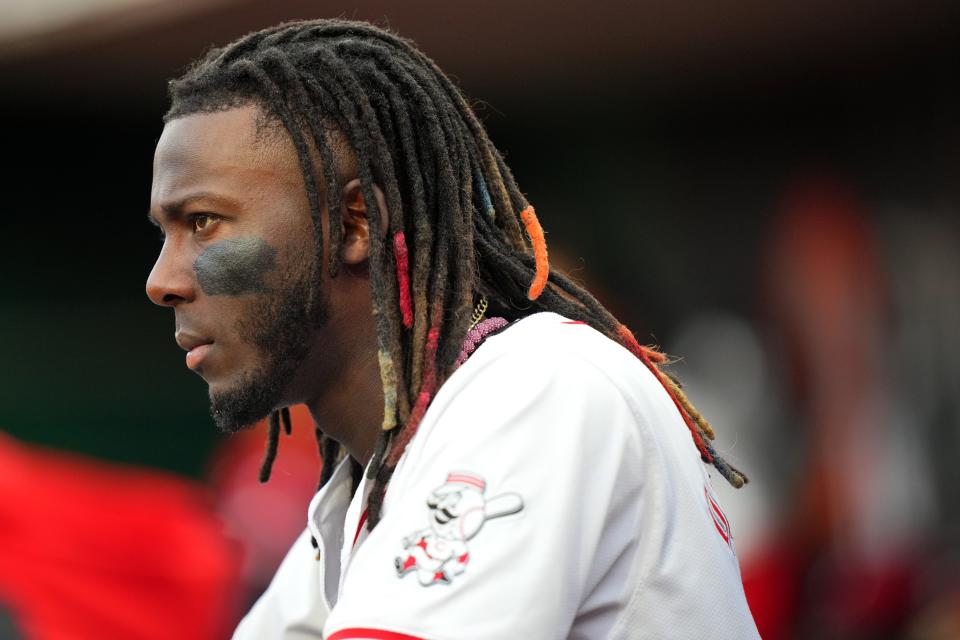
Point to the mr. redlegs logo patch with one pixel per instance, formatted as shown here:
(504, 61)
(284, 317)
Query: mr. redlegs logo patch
(457, 510)
(719, 519)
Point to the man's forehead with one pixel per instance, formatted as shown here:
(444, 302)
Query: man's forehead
(234, 138)
(237, 150)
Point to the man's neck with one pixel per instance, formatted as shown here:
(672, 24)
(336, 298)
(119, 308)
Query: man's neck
(351, 410)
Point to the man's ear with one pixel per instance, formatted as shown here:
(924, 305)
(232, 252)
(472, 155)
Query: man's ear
(355, 248)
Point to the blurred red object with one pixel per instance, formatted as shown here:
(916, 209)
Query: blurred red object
(266, 518)
(90, 549)
(836, 566)
(772, 581)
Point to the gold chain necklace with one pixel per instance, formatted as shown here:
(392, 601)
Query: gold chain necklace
(478, 312)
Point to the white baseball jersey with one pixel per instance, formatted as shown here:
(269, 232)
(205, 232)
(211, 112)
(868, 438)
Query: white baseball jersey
(551, 491)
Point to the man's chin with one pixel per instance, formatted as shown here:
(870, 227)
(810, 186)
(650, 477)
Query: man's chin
(244, 403)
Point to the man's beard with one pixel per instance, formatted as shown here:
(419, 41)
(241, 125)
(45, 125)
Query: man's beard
(281, 325)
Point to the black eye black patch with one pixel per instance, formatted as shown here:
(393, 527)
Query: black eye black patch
(235, 267)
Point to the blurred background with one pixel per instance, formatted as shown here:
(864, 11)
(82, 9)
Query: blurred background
(767, 189)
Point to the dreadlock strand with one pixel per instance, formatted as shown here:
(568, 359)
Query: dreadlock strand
(379, 449)
(349, 94)
(273, 441)
(652, 358)
(516, 198)
(403, 278)
(485, 202)
(423, 400)
(505, 268)
(448, 189)
(377, 494)
(535, 231)
(459, 301)
(644, 355)
(423, 227)
(386, 107)
(329, 452)
(388, 375)
(503, 189)
(731, 474)
(285, 419)
(681, 397)
(321, 439)
(695, 432)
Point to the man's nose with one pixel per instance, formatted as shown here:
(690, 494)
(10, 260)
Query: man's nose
(171, 281)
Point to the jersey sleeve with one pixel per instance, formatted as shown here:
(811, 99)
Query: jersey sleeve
(514, 501)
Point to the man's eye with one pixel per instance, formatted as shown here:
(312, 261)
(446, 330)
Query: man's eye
(201, 222)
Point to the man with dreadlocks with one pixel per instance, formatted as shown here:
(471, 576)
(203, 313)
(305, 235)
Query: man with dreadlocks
(340, 231)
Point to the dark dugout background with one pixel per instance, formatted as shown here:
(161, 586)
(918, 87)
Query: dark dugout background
(659, 142)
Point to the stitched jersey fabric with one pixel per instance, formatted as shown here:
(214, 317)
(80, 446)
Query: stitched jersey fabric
(552, 491)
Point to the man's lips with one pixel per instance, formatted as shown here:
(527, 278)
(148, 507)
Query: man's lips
(195, 355)
(195, 346)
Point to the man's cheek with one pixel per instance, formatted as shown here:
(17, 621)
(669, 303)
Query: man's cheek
(236, 267)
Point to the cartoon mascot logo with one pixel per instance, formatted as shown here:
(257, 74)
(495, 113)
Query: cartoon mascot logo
(457, 511)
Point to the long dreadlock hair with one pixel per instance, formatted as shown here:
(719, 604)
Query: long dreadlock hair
(459, 225)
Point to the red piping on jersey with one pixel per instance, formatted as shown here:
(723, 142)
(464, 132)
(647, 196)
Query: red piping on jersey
(357, 633)
(363, 520)
(719, 520)
(723, 534)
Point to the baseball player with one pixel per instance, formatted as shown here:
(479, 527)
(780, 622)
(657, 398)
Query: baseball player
(502, 458)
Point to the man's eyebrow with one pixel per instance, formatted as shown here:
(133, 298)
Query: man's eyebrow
(175, 208)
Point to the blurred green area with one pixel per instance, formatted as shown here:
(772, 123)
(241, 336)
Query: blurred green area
(88, 363)
(107, 381)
